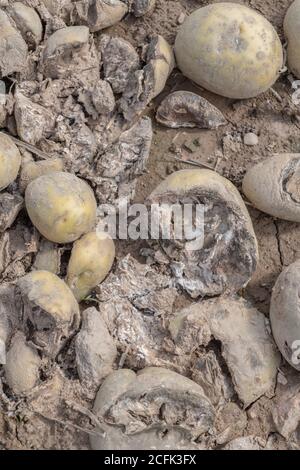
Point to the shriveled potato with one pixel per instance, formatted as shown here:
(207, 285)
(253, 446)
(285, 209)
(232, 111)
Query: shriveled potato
(291, 29)
(91, 260)
(230, 50)
(61, 206)
(10, 161)
(285, 314)
(50, 308)
(13, 48)
(228, 255)
(27, 21)
(32, 170)
(273, 186)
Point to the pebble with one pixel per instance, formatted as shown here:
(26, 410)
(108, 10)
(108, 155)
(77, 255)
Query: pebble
(250, 139)
(181, 18)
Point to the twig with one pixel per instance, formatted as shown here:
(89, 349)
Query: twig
(277, 95)
(29, 147)
(68, 424)
(193, 163)
(81, 409)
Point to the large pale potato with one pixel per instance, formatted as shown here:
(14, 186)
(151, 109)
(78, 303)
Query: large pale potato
(292, 33)
(10, 161)
(61, 206)
(230, 50)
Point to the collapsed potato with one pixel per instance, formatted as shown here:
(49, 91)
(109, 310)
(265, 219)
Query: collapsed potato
(10, 161)
(32, 170)
(273, 186)
(155, 408)
(91, 260)
(285, 316)
(230, 50)
(229, 255)
(61, 206)
(291, 29)
(50, 311)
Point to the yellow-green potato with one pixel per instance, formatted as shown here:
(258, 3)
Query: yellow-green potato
(292, 33)
(91, 260)
(10, 161)
(230, 50)
(61, 206)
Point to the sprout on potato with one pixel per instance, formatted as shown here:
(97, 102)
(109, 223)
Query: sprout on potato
(273, 186)
(229, 49)
(61, 206)
(50, 312)
(91, 260)
(229, 254)
(10, 161)
(285, 314)
(291, 30)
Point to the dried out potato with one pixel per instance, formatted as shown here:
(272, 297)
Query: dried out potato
(10, 206)
(22, 365)
(61, 206)
(11, 39)
(10, 161)
(27, 21)
(99, 14)
(155, 408)
(285, 316)
(50, 312)
(229, 254)
(273, 186)
(32, 170)
(230, 50)
(186, 109)
(291, 29)
(91, 260)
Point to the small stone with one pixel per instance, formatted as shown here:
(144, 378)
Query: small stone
(181, 18)
(250, 139)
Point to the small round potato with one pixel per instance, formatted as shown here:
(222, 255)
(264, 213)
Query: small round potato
(10, 161)
(91, 260)
(285, 314)
(61, 206)
(291, 30)
(230, 50)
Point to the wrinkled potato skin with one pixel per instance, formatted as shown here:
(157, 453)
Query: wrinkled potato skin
(230, 50)
(91, 260)
(292, 32)
(10, 161)
(61, 206)
(285, 314)
(50, 293)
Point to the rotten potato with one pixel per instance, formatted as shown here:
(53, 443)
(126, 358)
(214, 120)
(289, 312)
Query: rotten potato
(50, 311)
(61, 206)
(10, 161)
(27, 21)
(285, 316)
(291, 29)
(228, 254)
(229, 49)
(91, 260)
(273, 186)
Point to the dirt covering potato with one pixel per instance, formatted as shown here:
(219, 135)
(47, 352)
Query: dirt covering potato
(273, 186)
(155, 408)
(230, 50)
(229, 254)
(50, 312)
(291, 29)
(99, 14)
(285, 314)
(61, 206)
(91, 260)
(10, 161)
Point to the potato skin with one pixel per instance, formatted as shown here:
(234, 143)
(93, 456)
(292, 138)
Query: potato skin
(61, 206)
(10, 161)
(291, 30)
(91, 260)
(229, 49)
(285, 313)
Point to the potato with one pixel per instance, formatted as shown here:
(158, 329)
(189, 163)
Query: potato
(291, 29)
(228, 257)
(50, 310)
(27, 21)
(32, 170)
(285, 314)
(10, 161)
(13, 48)
(91, 260)
(230, 50)
(61, 206)
(273, 186)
